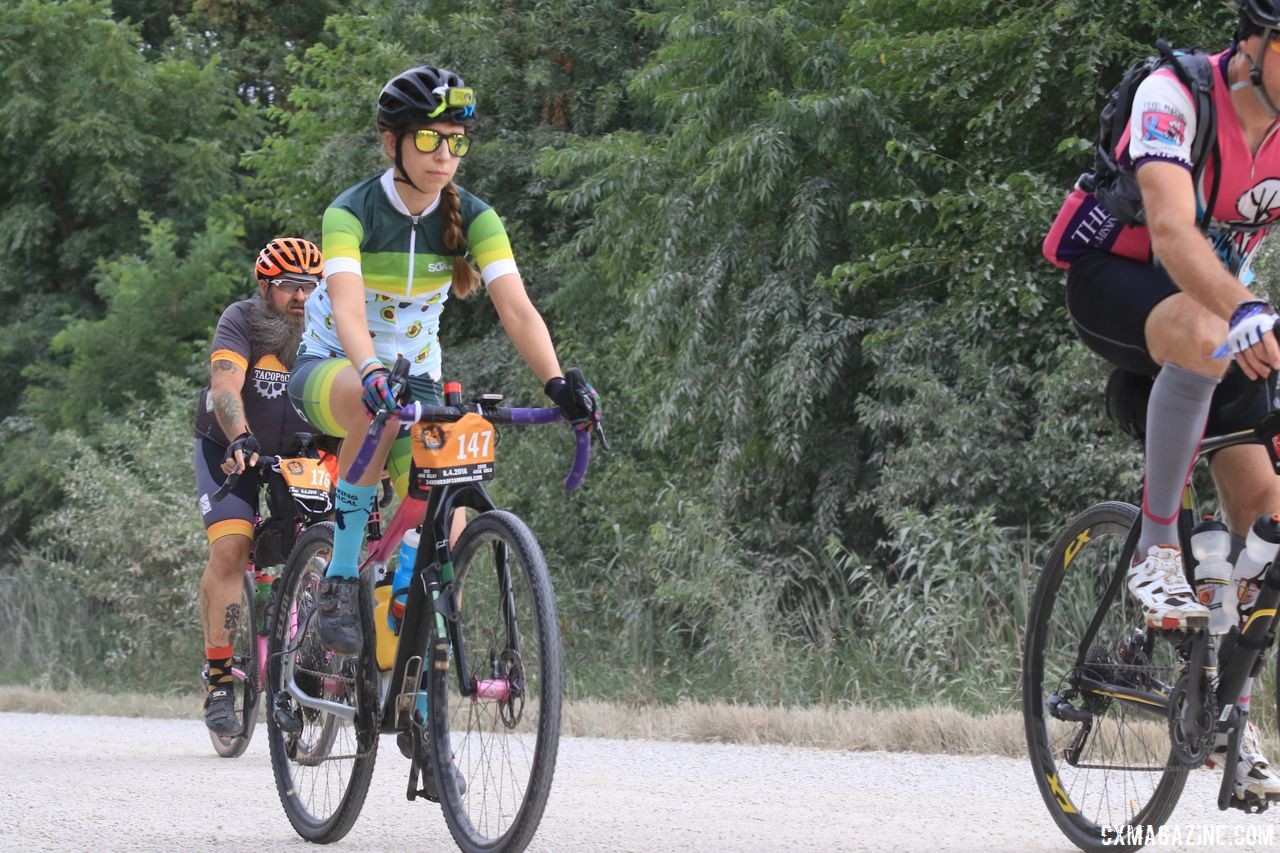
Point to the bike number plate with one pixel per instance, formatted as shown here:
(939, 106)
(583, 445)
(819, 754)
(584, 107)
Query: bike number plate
(309, 482)
(458, 452)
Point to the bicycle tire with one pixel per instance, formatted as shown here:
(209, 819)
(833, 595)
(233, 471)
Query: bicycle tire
(503, 748)
(1097, 816)
(245, 658)
(320, 815)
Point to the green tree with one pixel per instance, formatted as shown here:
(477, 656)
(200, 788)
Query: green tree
(166, 297)
(92, 133)
(826, 280)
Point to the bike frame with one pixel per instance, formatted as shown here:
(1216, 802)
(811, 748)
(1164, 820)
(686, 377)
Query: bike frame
(431, 619)
(250, 573)
(432, 606)
(1241, 649)
(431, 614)
(432, 576)
(265, 466)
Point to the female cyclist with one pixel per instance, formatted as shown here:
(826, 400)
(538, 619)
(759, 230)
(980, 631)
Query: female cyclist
(395, 247)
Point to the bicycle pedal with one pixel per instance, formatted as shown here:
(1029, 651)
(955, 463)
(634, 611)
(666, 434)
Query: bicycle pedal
(404, 742)
(1250, 804)
(287, 718)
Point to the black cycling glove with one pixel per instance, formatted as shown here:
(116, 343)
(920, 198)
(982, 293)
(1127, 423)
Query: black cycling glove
(577, 400)
(246, 443)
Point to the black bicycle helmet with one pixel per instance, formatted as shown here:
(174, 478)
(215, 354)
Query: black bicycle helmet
(425, 94)
(1256, 16)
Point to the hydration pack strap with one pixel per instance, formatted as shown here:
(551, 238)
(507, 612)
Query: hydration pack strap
(1195, 71)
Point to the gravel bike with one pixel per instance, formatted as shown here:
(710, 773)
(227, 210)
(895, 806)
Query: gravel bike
(298, 495)
(1117, 713)
(472, 684)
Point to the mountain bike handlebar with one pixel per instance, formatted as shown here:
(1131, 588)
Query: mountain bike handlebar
(415, 412)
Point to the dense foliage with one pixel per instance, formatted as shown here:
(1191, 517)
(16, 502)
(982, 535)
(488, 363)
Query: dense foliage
(795, 244)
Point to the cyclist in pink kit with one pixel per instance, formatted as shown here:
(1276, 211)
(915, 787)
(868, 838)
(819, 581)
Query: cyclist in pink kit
(1171, 300)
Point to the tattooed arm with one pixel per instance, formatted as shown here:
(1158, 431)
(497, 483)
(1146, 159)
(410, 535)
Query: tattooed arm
(226, 381)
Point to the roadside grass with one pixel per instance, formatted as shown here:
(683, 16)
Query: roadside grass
(925, 730)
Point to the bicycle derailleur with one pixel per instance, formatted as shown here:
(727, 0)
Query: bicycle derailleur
(1126, 663)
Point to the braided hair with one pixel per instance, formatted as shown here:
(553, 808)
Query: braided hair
(466, 278)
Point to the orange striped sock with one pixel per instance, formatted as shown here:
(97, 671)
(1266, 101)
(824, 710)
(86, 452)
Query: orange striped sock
(219, 658)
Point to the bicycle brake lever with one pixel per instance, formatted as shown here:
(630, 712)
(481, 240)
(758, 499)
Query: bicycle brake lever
(227, 485)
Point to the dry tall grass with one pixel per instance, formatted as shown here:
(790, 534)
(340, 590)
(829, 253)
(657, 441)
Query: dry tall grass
(928, 730)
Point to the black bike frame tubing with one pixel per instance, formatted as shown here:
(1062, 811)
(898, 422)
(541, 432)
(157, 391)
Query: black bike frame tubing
(1242, 649)
(1113, 588)
(1185, 523)
(419, 624)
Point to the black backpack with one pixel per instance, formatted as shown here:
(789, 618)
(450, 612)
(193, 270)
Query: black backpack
(1116, 188)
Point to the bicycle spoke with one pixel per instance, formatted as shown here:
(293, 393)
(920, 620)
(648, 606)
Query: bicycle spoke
(1111, 768)
(500, 738)
(322, 771)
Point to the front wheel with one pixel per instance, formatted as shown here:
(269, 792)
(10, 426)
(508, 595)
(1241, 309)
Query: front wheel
(495, 698)
(245, 664)
(322, 759)
(1096, 710)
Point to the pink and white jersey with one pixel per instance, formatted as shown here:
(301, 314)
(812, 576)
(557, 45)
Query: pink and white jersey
(1162, 126)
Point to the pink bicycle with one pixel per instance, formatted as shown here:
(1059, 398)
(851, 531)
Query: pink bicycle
(472, 681)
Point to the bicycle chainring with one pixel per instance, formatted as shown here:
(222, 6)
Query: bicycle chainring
(1193, 710)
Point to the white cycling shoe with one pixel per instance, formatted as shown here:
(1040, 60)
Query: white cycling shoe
(1160, 586)
(1254, 776)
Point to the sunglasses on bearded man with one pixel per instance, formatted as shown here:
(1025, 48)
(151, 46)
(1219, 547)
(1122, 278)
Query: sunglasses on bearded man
(291, 286)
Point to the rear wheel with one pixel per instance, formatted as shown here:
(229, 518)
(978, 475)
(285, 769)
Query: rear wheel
(245, 663)
(1100, 753)
(498, 726)
(322, 760)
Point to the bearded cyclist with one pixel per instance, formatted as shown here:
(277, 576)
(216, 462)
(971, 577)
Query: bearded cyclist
(244, 411)
(1161, 300)
(397, 247)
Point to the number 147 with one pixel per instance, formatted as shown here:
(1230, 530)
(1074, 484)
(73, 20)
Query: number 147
(475, 445)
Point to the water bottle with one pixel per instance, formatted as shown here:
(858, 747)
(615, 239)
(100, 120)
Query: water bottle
(261, 591)
(403, 576)
(1259, 551)
(1211, 545)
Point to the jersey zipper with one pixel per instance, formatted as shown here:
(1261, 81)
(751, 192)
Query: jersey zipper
(408, 285)
(413, 242)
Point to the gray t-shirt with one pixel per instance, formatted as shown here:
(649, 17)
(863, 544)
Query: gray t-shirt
(272, 417)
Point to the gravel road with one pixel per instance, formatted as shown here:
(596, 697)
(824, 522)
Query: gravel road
(107, 783)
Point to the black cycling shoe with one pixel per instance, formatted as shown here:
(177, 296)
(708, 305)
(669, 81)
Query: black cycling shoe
(220, 711)
(338, 619)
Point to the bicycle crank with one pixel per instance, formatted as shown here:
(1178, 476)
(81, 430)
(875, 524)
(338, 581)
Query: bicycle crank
(1193, 708)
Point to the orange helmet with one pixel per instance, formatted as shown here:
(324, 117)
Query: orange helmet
(288, 255)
